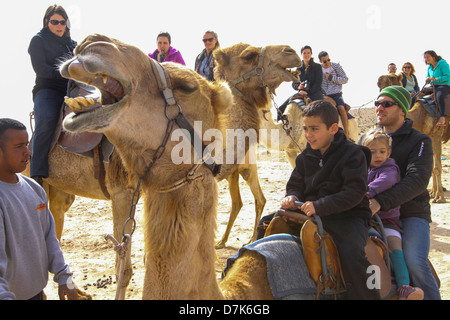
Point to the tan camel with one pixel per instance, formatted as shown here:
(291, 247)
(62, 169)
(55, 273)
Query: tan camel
(180, 221)
(292, 146)
(71, 174)
(423, 122)
(253, 74)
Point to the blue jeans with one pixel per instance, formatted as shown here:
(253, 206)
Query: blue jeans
(416, 246)
(47, 108)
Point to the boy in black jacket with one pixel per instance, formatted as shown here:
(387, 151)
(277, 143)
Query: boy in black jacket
(330, 177)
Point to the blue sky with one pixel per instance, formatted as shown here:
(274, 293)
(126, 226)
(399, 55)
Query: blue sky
(364, 36)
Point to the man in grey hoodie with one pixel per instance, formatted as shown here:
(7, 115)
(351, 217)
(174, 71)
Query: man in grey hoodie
(29, 248)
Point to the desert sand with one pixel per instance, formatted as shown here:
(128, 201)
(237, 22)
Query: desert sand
(91, 257)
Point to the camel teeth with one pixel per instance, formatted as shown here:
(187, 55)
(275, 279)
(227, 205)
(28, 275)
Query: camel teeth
(72, 104)
(82, 101)
(104, 78)
(100, 102)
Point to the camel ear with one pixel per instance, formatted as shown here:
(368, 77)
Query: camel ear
(250, 54)
(221, 97)
(221, 58)
(400, 77)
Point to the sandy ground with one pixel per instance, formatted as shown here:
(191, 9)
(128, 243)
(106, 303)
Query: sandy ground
(92, 258)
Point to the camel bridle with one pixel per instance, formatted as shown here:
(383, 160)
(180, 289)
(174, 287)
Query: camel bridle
(257, 71)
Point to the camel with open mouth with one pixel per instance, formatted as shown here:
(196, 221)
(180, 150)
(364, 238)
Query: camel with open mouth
(143, 104)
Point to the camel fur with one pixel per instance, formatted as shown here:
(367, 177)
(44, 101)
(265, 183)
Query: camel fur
(181, 223)
(233, 63)
(423, 122)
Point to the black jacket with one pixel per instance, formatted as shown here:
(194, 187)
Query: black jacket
(336, 181)
(413, 153)
(47, 51)
(313, 75)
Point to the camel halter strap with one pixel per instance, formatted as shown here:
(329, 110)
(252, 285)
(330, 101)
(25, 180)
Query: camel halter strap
(180, 119)
(258, 71)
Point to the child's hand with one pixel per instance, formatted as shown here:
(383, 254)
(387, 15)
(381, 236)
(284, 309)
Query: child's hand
(288, 202)
(308, 208)
(374, 206)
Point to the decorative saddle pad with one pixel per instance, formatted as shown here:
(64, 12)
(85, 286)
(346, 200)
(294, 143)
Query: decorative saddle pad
(287, 272)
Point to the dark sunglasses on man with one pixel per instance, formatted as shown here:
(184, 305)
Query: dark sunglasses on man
(385, 104)
(56, 22)
(208, 40)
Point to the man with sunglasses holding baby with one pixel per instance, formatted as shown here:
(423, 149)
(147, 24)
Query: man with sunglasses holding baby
(413, 153)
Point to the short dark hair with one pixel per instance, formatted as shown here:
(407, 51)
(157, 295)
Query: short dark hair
(6, 123)
(306, 47)
(164, 34)
(323, 109)
(322, 54)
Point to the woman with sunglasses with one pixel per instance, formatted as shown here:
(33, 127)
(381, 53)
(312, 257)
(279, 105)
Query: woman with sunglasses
(204, 63)
(439, 73)
(47, 49)
(409, 80)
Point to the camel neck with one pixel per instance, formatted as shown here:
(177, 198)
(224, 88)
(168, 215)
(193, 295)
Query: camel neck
(180, 254)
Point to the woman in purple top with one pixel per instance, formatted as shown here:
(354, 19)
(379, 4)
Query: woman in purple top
(165, 51)
(383, 175)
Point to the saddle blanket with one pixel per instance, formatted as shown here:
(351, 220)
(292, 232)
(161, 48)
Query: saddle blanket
(287, 272)
(429, 105)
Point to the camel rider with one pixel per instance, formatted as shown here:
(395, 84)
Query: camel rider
(333, 79)
(46, 50)
(165, 51)
(438, 72)
(413, 153)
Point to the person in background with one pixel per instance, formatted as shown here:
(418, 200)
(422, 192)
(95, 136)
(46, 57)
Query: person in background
(392, 68)
(333, 79)
(409, 80)
(413, 153)
(310, 84)
(47, 49)
(438, 72)
(204, 63)
(29, 248)
(165, 52)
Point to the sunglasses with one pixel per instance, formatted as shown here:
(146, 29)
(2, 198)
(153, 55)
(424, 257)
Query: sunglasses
(56, 22)
(407, 67)
(385, 104)
(325, 61)
(208, 40)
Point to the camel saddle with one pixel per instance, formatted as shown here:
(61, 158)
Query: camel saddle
(427, 97)
(321, 255)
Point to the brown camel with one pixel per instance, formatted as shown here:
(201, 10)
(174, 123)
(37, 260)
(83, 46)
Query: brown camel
(180, 221)
(423, 122)
(292, 146)
(253, 74)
